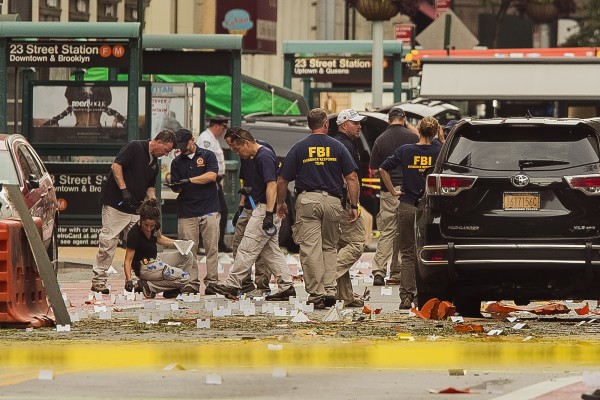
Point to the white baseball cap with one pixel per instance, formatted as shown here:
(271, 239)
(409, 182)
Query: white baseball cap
(349, 115)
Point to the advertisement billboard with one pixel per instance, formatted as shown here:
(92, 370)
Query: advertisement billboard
(69, 112)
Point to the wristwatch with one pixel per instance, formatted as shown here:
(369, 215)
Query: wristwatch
(353, 207)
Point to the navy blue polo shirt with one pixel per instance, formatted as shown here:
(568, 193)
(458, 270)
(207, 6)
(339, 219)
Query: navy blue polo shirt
(139, 172)
(265, 170)
(318, 162)
(247, 173)
(196, 200)
(350, 145)
(413, 159)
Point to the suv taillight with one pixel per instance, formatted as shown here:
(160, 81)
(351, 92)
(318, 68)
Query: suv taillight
(448, 185)
(588, 184)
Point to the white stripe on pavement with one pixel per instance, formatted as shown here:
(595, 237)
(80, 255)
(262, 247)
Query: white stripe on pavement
(533, 391)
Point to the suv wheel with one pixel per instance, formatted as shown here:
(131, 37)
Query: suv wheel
(468, 305)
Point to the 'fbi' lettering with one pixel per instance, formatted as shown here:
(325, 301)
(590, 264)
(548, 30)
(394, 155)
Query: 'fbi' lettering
(319, 151)
(422, 160)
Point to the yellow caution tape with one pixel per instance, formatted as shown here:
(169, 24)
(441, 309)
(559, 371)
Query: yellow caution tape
(386, 354)
(372, 186)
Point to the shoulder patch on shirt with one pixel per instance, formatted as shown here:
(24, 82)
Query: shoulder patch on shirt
(200, 162)
(206, 144)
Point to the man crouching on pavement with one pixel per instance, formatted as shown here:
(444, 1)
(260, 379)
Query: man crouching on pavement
(260, 237)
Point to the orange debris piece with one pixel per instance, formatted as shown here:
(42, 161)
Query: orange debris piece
(500, 308)
(583, 310)
(435, 309)
(468, 328)
(550, 309)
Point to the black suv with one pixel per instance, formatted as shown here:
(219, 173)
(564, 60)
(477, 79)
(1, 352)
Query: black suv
(511, 210)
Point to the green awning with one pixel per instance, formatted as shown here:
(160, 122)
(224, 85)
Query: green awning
(257, 96)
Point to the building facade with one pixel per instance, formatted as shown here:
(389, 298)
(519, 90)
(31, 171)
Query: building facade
(296, 20)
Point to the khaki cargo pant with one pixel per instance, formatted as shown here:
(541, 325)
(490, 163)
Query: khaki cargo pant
(317, 231)
(113, 223)
(256, 243)
(262, 276)
(191, 229)
(387, 223)
(350, 248)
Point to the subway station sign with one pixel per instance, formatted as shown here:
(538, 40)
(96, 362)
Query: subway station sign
(349, 70)
(78, 187)
(67, 54)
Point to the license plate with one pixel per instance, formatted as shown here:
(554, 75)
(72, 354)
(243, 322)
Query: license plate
(521, 201)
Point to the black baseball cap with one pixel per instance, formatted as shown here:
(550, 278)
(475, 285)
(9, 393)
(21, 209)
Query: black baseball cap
(396, 112)
(182, 136)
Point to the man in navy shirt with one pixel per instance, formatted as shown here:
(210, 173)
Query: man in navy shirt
(132, 179)
(319, 164)
(262, 276)
(193, 176)
(260, 236)
(413, 159)
(352, 236)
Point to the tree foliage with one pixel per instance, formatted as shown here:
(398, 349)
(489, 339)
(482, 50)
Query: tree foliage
(589, 26)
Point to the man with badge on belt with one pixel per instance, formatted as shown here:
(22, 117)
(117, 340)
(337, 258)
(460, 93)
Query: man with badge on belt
(260, 237)
(209, 139)
(352, 236)
(319, 164)
(193, 175)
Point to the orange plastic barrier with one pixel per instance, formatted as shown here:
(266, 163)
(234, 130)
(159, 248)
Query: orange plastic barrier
(23, 300)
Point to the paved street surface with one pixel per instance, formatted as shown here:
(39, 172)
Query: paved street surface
(360, 356)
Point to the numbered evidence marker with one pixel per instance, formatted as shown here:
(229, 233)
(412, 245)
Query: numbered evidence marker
(203, 324)
(214, 379)
(46, 374)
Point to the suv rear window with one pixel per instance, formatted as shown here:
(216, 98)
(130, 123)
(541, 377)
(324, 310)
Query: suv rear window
(501, 147)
